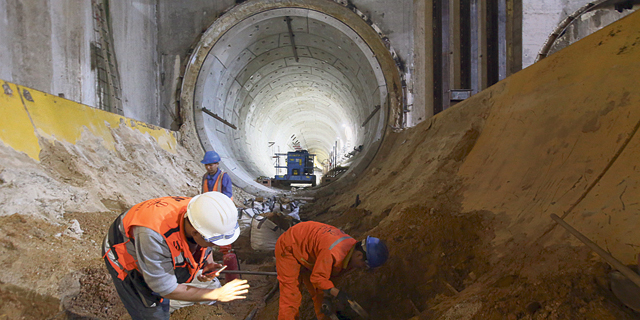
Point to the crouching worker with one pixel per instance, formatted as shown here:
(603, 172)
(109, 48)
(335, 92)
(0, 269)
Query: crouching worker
(156, 248)
(314, 253)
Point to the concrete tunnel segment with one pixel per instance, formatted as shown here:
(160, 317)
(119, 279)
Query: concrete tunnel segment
(263, 97)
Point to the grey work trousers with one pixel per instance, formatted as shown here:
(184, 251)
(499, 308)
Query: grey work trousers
(133, 303)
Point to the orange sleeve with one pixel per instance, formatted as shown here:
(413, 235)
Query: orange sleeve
(322, 270)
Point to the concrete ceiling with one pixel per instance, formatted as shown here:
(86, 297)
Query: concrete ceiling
(317, 95)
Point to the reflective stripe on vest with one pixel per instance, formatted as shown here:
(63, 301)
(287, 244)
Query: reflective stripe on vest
(217, 186)
(338, 241)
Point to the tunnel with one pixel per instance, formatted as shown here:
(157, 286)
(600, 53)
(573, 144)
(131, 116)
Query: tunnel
(266, 78)
(469, 199)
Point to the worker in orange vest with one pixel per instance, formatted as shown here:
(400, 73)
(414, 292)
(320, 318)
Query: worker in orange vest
(315, 252)
(157, 247)
(215, 179)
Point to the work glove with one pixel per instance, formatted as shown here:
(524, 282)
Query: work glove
(343, 297)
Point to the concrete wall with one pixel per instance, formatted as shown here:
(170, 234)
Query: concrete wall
(180, 25)
(395, 19)
(585, 25)
(539, 19)
(45, 45)
(133, 23)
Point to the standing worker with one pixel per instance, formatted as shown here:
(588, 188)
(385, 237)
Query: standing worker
(158, 246)
(215, 179)
(315, 252)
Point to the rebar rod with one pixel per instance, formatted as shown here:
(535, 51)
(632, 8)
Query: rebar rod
(259, 273)
(634, 277)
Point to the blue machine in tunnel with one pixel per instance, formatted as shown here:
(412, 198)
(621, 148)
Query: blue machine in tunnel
(299, 168)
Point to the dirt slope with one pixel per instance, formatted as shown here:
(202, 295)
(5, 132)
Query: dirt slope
(464, 199)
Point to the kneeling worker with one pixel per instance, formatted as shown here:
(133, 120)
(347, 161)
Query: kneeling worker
(158, 246)
(320, 252)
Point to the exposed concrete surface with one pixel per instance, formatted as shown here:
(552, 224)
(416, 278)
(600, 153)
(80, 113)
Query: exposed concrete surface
(587, 24)
(46, 46)
(71, 32)
(244, 70)
(395, 18)
(135, 36)
(539, 19)
(180, 25)
(29, 33)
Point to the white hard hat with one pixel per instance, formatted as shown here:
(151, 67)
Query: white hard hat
(215, 217)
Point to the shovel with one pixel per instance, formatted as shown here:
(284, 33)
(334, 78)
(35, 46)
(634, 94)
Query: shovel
(358, 309)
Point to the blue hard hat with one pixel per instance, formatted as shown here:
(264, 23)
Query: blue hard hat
(376, 251)
(210, 157)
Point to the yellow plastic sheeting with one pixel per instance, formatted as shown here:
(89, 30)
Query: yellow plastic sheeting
(167, 141)
(58, 119)
(64, 120)
(16, 129)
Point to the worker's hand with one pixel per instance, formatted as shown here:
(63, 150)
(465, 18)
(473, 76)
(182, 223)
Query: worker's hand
(210, 271)
(343, 297)
(234, 290)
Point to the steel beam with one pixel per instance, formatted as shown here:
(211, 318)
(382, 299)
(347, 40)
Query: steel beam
(207, 111)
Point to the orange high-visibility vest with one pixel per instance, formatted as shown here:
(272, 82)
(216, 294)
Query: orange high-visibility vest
(217, 186)
(164, 216)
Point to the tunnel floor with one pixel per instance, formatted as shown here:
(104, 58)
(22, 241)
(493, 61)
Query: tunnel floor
(445, 274)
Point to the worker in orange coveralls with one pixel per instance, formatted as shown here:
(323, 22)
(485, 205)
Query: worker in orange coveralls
(315, 252)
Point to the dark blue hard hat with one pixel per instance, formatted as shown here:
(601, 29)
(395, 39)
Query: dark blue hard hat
(376, 251)
(210, 157)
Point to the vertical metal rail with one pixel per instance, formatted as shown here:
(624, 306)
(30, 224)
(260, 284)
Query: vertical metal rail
(109, 93)
(502, 39)
(446, 56)
(475, 35)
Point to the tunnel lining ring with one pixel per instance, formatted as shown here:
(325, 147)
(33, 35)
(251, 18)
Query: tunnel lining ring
(386, 75)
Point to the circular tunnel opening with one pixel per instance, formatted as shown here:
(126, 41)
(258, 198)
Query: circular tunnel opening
(269, 78)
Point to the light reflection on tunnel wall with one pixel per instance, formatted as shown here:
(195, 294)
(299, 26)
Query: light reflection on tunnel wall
(251, 79)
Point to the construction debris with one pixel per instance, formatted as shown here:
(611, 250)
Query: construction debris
(266, 219)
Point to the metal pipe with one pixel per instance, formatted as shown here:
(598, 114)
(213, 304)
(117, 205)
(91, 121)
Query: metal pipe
(291, 37)
(258, 273)
(207, 111)
(634, 277)
(371, 115)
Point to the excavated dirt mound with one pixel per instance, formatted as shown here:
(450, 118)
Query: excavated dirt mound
(463, 200)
